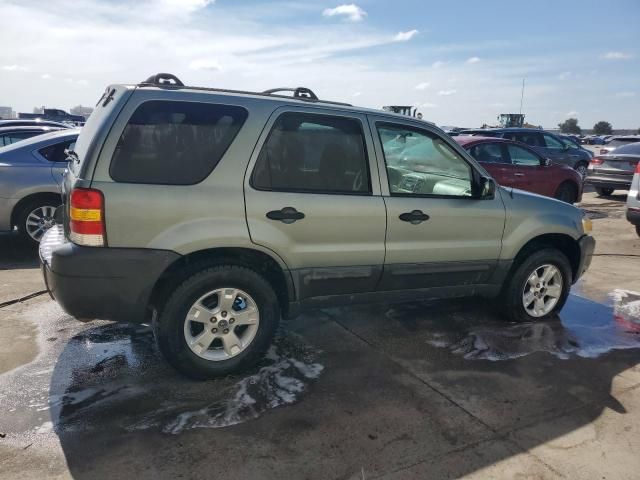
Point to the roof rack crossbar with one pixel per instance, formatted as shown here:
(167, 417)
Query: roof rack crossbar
(300, 92)
(163, 79)
(170, 81)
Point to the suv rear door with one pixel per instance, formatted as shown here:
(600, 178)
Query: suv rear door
(438, 233)
(312, 196)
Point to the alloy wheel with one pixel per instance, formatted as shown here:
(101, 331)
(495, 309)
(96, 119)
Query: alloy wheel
(221, 324)
(39, 221)
(542, 290)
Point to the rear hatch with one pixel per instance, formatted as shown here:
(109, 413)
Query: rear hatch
(82, 159)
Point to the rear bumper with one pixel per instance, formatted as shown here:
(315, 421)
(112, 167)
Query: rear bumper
(106, 283)
(633, 215)
(587, 245)
(604, 181)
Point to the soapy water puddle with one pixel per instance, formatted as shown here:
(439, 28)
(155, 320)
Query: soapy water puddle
(110, 376)
(584, 329)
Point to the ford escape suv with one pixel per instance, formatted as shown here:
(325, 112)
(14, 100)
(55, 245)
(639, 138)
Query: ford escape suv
(213, 213)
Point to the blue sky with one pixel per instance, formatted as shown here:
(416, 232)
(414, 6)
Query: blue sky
(461, 63)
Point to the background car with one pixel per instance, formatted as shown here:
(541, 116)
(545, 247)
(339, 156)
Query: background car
(633, 201)
(10, 135)
(30, 123)
(30, 177)
(615, 142)
(516, 165)
(614, 171)
(546, 144)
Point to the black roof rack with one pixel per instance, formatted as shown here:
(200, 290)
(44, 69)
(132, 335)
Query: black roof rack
(168, 80)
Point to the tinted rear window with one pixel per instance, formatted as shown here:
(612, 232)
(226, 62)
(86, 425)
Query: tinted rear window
(174, 143)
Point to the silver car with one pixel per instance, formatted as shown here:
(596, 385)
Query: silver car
(633, 201)
(30, 177)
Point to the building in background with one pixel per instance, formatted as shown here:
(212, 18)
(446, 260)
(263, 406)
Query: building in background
(7, 113)
(82, 111)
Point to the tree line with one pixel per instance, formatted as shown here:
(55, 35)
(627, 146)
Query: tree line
(570, 125)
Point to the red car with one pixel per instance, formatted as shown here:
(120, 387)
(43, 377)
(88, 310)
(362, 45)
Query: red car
(514, 164)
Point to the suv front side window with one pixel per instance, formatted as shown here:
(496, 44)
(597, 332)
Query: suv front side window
(312, 153)
(421, 163)
(533, 139)
(522, 156)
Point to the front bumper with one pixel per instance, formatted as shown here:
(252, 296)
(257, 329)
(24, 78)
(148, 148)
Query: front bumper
(96, 282)
(587, 245)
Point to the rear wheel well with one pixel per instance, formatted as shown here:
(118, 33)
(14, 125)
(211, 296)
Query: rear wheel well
(559, 241)
(255, 260)
(35, 197)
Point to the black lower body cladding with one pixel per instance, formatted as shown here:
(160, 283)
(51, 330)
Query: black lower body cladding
(106, 283)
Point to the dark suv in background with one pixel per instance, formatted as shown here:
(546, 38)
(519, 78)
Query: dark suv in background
(546, 144)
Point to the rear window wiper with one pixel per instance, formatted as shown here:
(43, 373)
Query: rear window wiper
(71, 156)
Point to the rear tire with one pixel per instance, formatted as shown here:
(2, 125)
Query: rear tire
(581, 168)
(34, 218)
(172, 327)
(518, 286)
(567, 192)
(604, 192)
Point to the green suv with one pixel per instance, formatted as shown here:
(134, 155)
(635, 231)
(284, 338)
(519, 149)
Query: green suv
(213, 213)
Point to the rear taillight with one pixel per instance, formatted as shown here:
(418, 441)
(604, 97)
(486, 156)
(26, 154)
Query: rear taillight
(596, 161)
(638, 167)
(86, 211)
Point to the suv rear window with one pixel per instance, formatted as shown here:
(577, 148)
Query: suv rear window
(174, 143)
(313, 153)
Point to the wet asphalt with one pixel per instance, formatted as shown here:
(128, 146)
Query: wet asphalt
(421, 390)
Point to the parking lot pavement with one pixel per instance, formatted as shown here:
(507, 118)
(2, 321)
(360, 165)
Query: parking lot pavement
(19, 275)
(422, 390)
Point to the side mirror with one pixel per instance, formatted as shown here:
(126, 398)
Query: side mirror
(546, 162)
(487, 188)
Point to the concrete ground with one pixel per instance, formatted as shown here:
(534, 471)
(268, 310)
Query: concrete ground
(423, 390)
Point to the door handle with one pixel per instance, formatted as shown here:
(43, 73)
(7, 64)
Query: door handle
(518, 174)
(285, 215)
(414, 217)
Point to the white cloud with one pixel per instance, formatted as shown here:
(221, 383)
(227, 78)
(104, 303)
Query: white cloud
(351, 12)
(428, 105)
(422, 86)
(204, 64)
(356, 94)
(572, 113)
(473, 60)
(405, 36)
(626, 94)
(446, 93)
(498, 105)
(438, 64)
(45, 76)
(617, 56)
(14, 68)
(184, 5)
(564, 75)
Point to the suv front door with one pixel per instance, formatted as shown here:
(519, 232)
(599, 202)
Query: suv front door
(312, 196)
(439, 233)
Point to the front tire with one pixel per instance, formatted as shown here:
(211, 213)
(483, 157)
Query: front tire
(538, 287)
(582, 169)
(604, 192)
(219, 321)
